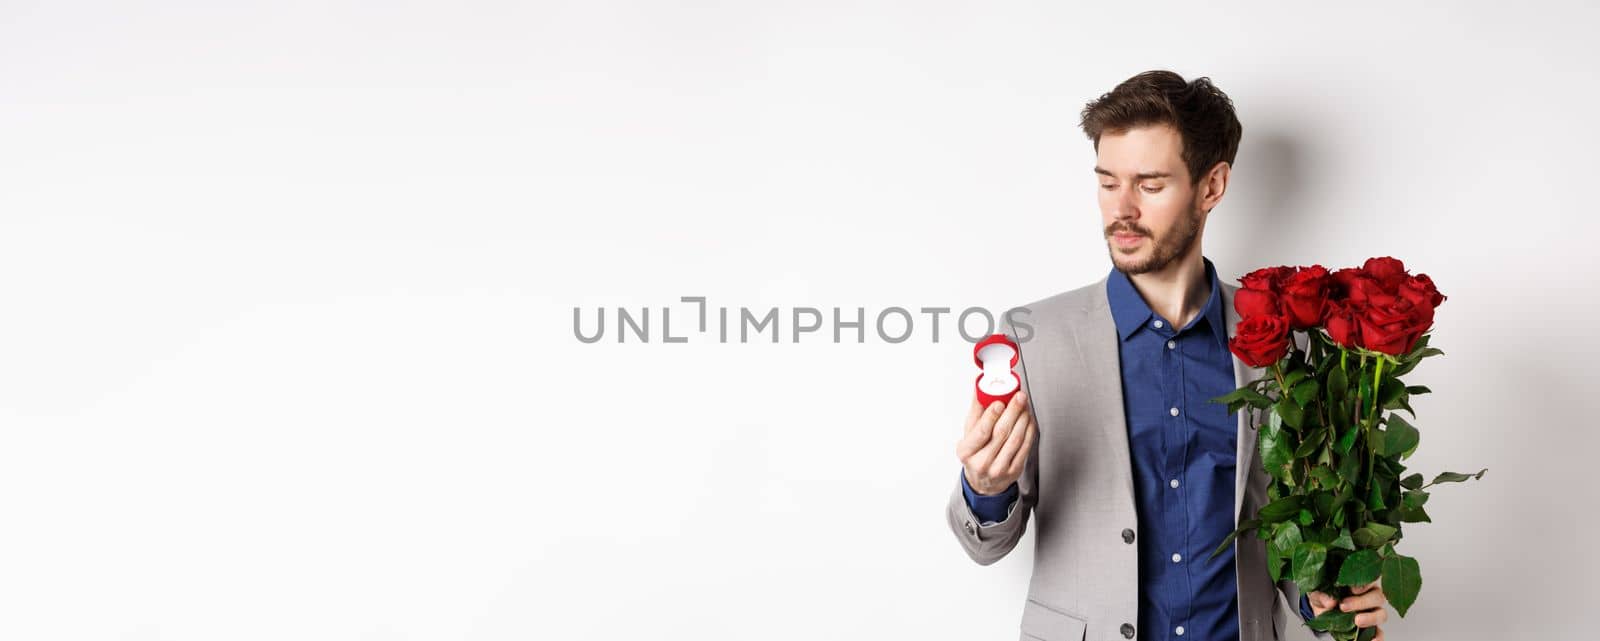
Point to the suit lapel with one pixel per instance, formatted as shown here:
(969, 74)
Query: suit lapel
(1098, 342)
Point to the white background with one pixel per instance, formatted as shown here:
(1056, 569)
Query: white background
(286, 344)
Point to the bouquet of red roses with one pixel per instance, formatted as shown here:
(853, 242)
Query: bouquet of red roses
(1337, 497)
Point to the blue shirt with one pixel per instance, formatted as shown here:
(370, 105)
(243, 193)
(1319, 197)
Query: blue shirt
(1183, 454)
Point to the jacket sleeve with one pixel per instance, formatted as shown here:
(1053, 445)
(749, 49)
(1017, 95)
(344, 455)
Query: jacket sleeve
(1291, 595)
(989, 508)
(987, 541)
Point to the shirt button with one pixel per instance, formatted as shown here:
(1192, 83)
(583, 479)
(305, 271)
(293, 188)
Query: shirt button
(1173, 411)
(1127, 535)
(1179, 631)
(1172, 344)
(1127, 630)
(1173, 483)
(1157, 323)
(1176, 557)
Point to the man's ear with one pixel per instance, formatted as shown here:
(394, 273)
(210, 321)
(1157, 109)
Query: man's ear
(1214, 185)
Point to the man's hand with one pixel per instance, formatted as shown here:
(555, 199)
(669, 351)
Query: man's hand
(995, 442)
(1368, 601)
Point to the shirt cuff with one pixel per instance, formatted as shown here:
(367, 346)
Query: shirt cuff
(1305, 608)
(991, 508)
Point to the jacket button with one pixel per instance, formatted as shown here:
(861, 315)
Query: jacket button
(970, 529)
(1127, 630)
(1127, 536)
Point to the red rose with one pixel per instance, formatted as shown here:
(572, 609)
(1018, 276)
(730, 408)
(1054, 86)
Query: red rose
(1343, 322)
(1392, 327)
(1304, 294)
(1255, 302)
(1267, 279)
(1388, 272)
(1260, 341)
(1365, 290)
(1419, 289)
(1339, 288)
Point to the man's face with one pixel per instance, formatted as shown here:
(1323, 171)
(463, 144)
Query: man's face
(1147, 206)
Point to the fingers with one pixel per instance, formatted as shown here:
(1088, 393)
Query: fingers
(1379, 636)
(1367, 602)
(1366, 597)
(1372, 618)
(1008, 452)
(1320, 601)
(977, 435)
(1021, 460)
(1004, 425)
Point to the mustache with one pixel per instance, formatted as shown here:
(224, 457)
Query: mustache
(1126, 230)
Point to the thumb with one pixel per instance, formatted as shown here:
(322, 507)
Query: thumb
(1321, 600)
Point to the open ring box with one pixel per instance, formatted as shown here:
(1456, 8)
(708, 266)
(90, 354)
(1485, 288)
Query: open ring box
(996, 355)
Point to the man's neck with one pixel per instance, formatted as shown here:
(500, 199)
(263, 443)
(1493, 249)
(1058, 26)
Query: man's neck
(1177, 292)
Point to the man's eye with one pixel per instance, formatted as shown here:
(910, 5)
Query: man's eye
(1151, 191)
(1108, 187)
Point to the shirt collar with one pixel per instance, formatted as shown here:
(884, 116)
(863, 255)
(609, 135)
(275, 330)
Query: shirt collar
(1129, 310)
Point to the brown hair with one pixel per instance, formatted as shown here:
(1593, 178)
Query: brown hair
(1201, 113)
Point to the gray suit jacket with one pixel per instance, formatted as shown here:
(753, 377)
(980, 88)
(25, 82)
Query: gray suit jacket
(1078, 488)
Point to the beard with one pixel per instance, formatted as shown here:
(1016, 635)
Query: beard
(1167, 247)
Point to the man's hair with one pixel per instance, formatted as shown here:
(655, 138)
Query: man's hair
(1201, 113)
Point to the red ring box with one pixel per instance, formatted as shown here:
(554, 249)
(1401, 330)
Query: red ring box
(996, 355)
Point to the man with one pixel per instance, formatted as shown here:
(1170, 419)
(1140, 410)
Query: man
(1136, 476)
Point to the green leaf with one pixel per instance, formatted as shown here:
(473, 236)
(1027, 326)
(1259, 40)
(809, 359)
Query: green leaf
(1293, 415)
(1360, 568)
(1244, 526)
(1312, 441)
(1338, 385)
(1276, 454)
(1305, 392)
(1308, 560)
(1390, 391)
(1280, 510)
(1235, 395)
(1244, 395)
(1350, 469)
(1333, 621)
(1325, 477)
(1348, 439)
(1282, 547)
(1418, 389)
(1399, 437)
(1343, 541)
(1375, 498)
(1414, 515)
(1373, 535)
(1452, 477)
(1257, 399)
(1411, 481)
(1402, 580)
(1405, 404)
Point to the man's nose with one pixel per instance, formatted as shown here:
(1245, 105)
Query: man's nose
(1127, 206)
